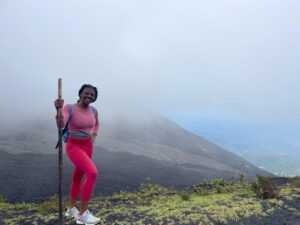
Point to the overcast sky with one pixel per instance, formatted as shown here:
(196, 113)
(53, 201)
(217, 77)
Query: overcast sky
(217, 59)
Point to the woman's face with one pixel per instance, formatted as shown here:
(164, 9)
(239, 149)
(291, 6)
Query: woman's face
(87, 96)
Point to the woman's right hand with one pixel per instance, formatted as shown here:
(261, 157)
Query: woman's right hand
(58, 103)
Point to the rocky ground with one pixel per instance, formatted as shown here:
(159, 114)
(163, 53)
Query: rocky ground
(214, 203)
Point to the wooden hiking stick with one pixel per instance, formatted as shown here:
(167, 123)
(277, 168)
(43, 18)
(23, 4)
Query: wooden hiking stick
(59, 117)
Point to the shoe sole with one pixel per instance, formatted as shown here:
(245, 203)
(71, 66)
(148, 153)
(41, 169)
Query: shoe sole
(79, 222)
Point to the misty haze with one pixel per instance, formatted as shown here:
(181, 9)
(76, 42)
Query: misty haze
(189, 92)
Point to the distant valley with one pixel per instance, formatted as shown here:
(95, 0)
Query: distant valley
(273, 148)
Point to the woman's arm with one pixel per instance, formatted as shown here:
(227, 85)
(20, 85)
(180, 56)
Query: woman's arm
(96, 127)
(59, 103)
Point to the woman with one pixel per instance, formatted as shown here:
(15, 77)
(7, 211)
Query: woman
(83, 127)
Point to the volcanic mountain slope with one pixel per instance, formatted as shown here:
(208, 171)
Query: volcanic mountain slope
(161, 139)
(127, 152)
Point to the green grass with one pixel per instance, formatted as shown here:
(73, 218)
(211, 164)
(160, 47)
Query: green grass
(221, 203)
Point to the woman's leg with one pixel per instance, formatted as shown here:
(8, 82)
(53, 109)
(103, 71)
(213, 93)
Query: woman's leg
(80, 153)
(75, 186)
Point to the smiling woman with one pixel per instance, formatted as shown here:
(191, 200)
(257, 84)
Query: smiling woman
(87, 94)
(83, 124)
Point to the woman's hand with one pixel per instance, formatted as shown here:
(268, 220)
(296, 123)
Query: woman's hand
(94, 135)
(58, 103)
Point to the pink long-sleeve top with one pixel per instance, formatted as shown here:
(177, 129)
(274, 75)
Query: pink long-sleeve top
(83, 119)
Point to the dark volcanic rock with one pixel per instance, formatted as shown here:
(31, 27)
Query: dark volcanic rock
(34, 177)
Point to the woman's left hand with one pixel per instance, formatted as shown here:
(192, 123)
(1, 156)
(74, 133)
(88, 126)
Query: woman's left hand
(94, 137)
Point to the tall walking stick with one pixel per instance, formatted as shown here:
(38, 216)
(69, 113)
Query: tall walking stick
(59, 117)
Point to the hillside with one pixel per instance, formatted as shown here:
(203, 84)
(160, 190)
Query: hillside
(127, 152)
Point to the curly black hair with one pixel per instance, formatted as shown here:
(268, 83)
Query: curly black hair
(88, 86)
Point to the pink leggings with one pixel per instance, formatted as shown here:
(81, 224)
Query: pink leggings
(80, 152)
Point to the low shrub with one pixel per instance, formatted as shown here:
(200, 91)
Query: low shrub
(263, 187)
(2, 199)
(242, 179)
(185, 196)
(215, 186)
(152, 189)
(296, 183)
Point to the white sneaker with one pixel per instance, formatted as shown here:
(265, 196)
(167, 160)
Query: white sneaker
(87, 218)
(73, 212)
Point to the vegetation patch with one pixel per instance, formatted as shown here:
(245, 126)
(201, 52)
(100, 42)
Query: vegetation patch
(213, 202)
(264, 187)
(296, 182)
